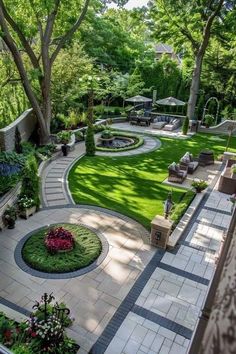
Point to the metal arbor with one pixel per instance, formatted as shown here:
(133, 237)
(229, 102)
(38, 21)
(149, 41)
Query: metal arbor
(217, 109)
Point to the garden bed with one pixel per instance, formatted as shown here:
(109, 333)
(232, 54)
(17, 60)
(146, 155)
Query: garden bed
(136, 141)
(87, 248)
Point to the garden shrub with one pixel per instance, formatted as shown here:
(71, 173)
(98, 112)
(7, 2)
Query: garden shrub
(79, 136)
(8, 182)
(89, 142)
(180, 208)
(185, 126)
(30, 180)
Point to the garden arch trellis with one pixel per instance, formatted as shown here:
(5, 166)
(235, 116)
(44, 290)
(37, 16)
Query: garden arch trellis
(217, 109)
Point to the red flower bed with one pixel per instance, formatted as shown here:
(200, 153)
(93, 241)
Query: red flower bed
(59, 239)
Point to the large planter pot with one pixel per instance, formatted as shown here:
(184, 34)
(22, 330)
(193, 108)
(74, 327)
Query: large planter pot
(11, 224)
(65, 149)
(28, 212)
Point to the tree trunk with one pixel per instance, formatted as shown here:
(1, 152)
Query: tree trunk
(194, 86)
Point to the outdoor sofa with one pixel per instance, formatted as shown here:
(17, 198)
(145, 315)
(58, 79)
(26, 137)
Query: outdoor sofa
(177, 174)
(189, 162)
(168, 123)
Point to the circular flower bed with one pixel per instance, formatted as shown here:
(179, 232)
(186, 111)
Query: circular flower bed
(114, 141)
(62, 248)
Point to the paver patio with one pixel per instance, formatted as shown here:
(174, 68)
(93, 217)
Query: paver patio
(139, 299)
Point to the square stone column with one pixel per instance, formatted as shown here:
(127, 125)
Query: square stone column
(160, 232)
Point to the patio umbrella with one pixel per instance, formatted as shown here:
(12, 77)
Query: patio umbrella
(170, 101)
(138, 99)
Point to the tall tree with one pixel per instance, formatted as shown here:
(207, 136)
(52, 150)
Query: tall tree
(189, 22)
(35, 31)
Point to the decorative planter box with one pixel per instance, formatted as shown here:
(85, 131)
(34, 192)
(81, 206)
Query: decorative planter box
(28, 212)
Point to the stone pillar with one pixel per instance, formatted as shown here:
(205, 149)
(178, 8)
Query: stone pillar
(160, 232)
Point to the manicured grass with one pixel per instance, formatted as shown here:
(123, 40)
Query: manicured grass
(133, 185)
(87, 248)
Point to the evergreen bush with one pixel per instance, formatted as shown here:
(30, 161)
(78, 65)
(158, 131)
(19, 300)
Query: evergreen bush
(30, 181)
(185, 126)
(89, 142)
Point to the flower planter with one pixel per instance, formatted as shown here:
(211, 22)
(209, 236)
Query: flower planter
(28, 212)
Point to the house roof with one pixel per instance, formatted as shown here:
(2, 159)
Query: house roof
(164, 48)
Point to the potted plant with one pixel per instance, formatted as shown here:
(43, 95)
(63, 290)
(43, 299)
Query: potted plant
(199, 185)
(64, 138)
(26, 206)
(233, 171)
(9, 217)
(209, 120)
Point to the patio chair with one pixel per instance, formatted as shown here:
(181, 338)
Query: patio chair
(176, 174)
(173, 124)
(189, 162)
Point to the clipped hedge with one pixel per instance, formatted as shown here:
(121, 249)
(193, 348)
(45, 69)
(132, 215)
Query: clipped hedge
(180, 208)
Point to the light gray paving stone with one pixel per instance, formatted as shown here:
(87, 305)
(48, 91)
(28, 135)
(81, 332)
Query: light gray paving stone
(131, 347)
(177, 349)
(157, 343)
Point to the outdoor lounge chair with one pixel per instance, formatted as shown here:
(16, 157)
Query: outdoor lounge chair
(174, 124)
(189, 162)
(176, 174)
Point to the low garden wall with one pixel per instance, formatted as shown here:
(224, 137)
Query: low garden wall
(222, 128)
(25, 123)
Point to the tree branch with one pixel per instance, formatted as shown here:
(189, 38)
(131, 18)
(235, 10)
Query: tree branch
(71, 31)
(21, 36)
(50, 23)
(20, 66)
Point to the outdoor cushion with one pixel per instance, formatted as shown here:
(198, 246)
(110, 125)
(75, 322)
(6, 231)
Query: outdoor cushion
(158, 125)
(173, 166)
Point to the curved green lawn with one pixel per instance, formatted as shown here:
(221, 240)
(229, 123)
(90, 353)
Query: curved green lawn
(87, 248)
(133, 185)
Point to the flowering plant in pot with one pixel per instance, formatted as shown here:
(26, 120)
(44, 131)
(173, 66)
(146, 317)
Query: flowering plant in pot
(59, 239)
(64, 138)
(26, 206)
(199, 185)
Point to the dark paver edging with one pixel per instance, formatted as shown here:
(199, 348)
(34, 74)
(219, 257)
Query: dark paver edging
(21, 263)
(163, 321)
(126, 306)
(14, 307)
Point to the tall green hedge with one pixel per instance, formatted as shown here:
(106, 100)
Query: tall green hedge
(30, 182)
(89, 142)
(185, 126)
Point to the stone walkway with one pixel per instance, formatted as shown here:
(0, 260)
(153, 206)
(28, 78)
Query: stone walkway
(139, 299)
(162, 316)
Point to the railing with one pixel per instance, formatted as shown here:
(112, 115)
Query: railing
(196, 344)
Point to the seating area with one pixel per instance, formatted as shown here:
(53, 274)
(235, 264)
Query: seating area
(177, 172)
(165, 122)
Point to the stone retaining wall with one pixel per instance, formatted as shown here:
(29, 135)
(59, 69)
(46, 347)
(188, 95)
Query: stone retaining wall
(25, 123)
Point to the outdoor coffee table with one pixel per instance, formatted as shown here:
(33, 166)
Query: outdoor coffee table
(206, 157)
